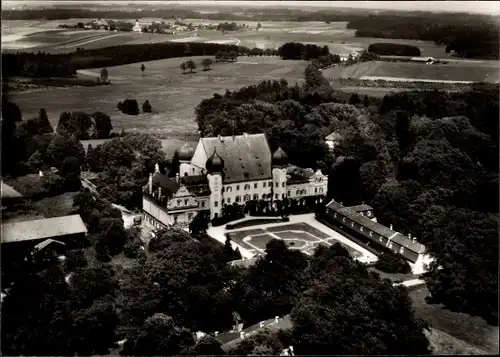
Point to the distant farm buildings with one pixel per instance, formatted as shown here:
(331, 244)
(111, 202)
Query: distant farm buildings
(333, 139)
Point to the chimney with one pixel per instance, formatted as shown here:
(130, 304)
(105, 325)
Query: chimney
(40, 173)
(390, 227)
(177, 177)
(261, 324)
(276, 319)
(242, 335)
(150, 184)
(409, 235)
(216, 333)
(159, 192)
(414, 240)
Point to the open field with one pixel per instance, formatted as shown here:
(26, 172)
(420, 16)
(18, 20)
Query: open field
(474, 331)
(173, 95)
(300, 236)
(477, 71)
(335, 35)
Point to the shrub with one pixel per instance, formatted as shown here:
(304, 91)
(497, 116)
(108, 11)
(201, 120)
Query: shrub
(146, 107)
(390, 263)
(129, 106)
(131, 249)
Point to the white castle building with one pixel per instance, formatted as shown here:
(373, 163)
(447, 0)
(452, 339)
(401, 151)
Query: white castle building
(225, 170)
(137, 27)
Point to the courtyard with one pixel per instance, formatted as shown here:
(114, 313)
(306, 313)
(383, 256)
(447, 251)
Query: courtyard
(302, 233)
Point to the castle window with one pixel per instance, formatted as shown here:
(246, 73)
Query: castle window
(254, 185)
(270, 184)
(186, 202)
(228, 189)
(321, 190)
(202, 203)
(247, 187)
(288, 193)
(238, 198)
(175, 219)
(277, 184)
(255, 196)
(282, 195)
(190, 216)
(237, 187)
(178, 202)
(263, 184)
(276, 196)
(282, 184)
(216, 204)
(247, 198)
(193, 170)
(297, 193)
(315, 190)
(228, 200)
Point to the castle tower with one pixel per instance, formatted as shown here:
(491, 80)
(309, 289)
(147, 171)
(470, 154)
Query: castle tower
(185, 154)
(215, 167)
(279, 164)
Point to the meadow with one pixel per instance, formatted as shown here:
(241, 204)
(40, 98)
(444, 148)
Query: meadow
(173, 95)
(468, 71)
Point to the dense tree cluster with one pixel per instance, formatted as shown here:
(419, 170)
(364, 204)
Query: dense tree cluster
(62, 65)
(124, 165)
(393, 49)
(297, 50)
(190, 64)
(230, 56)
(391, 263)
(469, 35)
(85, 126)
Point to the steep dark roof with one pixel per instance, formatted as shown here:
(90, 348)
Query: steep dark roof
(42, 228)
(168, 186)
(197, 185)
(298, 175)
(246, 157)
(377, 228)
(361, 208)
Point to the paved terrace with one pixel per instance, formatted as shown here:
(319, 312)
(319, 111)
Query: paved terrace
(328, 236)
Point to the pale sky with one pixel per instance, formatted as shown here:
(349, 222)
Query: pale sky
(485, 7)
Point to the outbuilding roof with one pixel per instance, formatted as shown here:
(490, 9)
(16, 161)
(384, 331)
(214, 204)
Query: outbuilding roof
(361, 208)
(376, 227)
(246, 157)
(42, 228)
(168, 186)
(9, 191)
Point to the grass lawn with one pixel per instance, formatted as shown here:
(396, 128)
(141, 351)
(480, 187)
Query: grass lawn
(296, 235)
(453, 71)
(173, 95)
(471, 330)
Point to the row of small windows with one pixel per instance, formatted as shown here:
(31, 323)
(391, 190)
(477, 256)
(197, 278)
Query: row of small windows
(380, 238)
(247, 186)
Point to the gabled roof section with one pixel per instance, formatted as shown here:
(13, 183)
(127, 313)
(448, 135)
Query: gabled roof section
(42, 228)
(47, 242)
(246, 157)
(378, 228)
(168, 186)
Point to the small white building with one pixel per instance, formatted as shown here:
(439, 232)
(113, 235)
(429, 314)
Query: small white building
(137, 27)
(333, 139)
